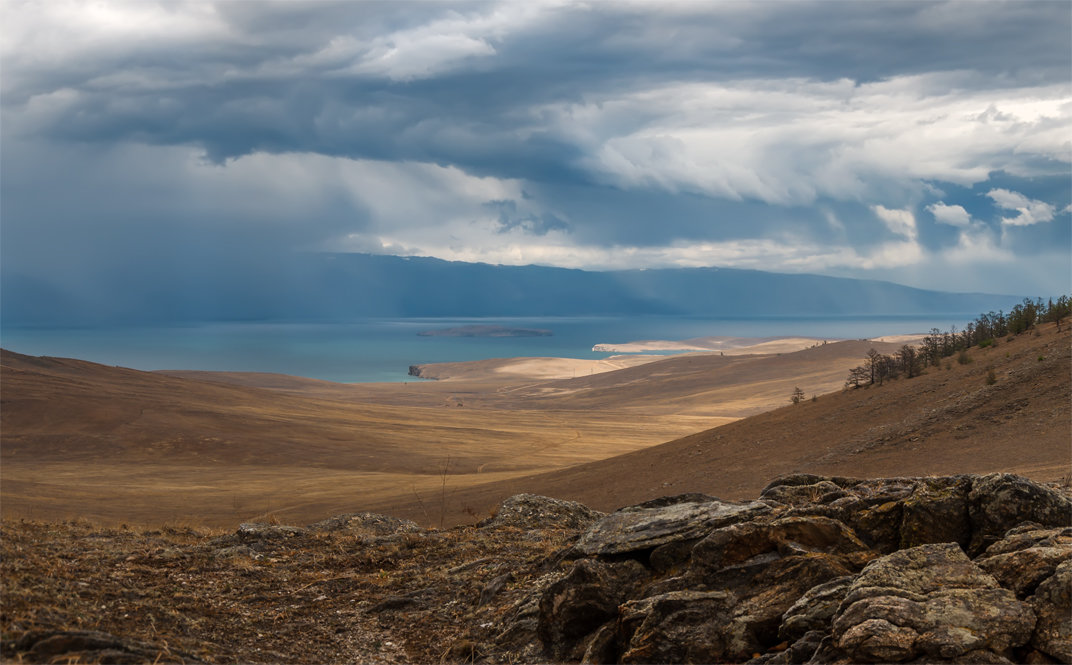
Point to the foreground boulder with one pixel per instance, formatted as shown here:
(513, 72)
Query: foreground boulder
(929, 602)
(822, 570)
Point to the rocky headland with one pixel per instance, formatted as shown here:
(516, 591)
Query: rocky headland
(960, 569)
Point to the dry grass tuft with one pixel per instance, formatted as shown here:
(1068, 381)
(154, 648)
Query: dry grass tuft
(314, 598)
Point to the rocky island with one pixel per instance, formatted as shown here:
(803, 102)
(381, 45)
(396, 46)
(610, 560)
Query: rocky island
(485, 331)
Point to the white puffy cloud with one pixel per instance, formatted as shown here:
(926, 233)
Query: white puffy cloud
(952, 215)
(791, 141)
(1030, 211)
(899, 222)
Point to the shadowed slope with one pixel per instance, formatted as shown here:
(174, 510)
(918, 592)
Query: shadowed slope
(946, 421)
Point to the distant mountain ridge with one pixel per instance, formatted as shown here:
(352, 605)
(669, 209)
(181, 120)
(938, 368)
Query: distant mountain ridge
(339, 287)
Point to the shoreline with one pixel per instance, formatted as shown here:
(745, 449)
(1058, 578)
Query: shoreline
(629, 354)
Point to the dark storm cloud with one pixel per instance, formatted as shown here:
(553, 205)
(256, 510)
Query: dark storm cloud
(288, 77)
(785, 135)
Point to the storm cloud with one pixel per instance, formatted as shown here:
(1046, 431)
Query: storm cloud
(925, 142)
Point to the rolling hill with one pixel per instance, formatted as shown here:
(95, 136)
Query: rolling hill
(121, 445)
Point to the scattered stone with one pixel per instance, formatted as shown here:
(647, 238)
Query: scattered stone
(255, 532)
(493, 587)
(531, 511)
(371, 525)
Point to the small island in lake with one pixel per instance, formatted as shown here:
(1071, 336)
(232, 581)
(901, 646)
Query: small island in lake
(485, 331)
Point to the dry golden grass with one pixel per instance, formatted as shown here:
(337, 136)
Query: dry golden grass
(216, 449)
(120, 445)
(318, 597)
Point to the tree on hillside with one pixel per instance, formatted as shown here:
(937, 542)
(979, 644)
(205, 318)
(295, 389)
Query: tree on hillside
(797, 396)
(909, 361)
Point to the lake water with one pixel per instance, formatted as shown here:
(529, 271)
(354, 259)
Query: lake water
(383, 349)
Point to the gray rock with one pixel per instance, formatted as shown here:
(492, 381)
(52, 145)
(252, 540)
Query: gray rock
(1052, 603)
(928, 602)
(769, 565)
(820, 492)
(663, 501)
(1026, 556)
(814, 610)
(370, 525)
(257, 532)
(1000, 501)
(804, 648)
(936, 512)
(676, 627)
(736, 545)
(531, 511)
(573, 607)
(647, 528)
(603, 646)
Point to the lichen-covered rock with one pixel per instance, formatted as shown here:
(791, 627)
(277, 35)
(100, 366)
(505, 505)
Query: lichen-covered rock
(255, 532)
(1001, 501)
(804, 648)
(663, 501)
(1026, 556)
(936, 512)
(733, 546)
(676, 627)
(638, 529)
(928, 602)
(814, 610)
(581, 601)
(879, 525)
(769, 565)
(820, 492)
(1052, 603)
(531, 511)
(370, 525)
(758, 614)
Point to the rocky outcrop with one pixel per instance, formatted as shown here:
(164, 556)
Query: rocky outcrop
(645, 527)
(928, 602)
(530, 511)
(371, 525)
(822, 570)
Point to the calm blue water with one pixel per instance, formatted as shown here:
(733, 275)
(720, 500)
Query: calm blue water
(383, 349)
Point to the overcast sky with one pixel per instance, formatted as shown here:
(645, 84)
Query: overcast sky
(925, 143)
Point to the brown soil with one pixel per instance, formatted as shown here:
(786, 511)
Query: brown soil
(317, 598)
